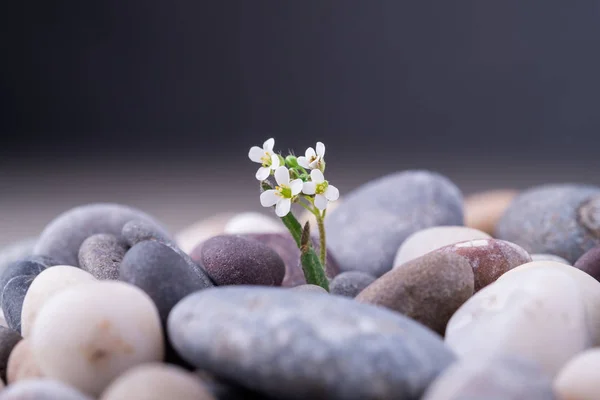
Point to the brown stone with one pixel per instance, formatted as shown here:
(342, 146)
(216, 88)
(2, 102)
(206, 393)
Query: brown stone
(589, 262)
(483, 210)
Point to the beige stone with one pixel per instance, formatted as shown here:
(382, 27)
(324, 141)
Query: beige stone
(188, 238)
(21, 364)
(484, 209)
(579, 380)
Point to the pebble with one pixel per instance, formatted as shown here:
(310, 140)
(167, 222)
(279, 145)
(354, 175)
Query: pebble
(62, 238)
(548, 257)
(189, 238)
(157, 382)
(16, 251)
(499, 378)
(350, 283)
(162, 273)
(235, 260)
(578, 380)
(42, 389)
(252, 222)
(136, 231)
(286, 247)
(88, 335)
(274, 341)
(101, 255)
(12, 300)
(8, 341)
(589, 262)
(47, 284)
(21, 364)
(523, 314)
(556, 219)
(371, 223)
(483, 210)
(310, 288)
(30, 266)
(489, 258)
(428, 289)
(427, 240)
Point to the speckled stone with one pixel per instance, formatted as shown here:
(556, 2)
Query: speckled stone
(136, 231)
(499, 378)
(489, 258)
(371, 223)
(428, 289)
(8, 341)
(271, 340)
(42, 389)
(589, 262)
(483, 210)
(13, 297)
(21, 364)
(578, 379)
(549, 257)
(350, 283)
(101, 255)
(235, 260)
(556, 219)
(62, 238)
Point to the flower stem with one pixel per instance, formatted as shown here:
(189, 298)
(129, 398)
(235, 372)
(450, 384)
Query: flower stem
(323, 242)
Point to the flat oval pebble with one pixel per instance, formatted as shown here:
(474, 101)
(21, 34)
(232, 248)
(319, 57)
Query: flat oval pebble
(371, 223)
(483, 210)
(273, 341)
(498, 378)
(190, 237)
(157, 382)
(556, 219)
(21, 364)
(489, 258)
(427, 240)
(30, 266)
(252, 222)
(162, 273)
(48, 283)
(8, 341)
(63, 237)
(235, 260)
(589, 262)
(524, 314)
(13, 297)
(88, 335)
(101, 255)
(578, 380)
(42, 389)
(428, 289)
(350, 283)
(549, 257)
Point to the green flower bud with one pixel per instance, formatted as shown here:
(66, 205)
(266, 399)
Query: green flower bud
(291, 161)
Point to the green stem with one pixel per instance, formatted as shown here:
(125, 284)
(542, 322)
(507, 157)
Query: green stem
(323, 243)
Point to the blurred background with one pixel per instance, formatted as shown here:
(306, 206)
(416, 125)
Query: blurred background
(155, 104)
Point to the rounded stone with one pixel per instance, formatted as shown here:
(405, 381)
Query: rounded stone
(30, 266)
(42, 389)
(548, 257)
(162, 273)
(21, 364)
(16, 251)
(235, 260)
(47, 284)
(8, 341)
(589, 262)
(483, 210)
(136, 231)
(578, 379)
(252, 222)
(157, 382)
(428, 289)
(101, 255)
(12, 300)
(189, 238)
(502, 377)
(271, 340)
(556, 219)
(350, 283)
(308, 288)
(88, 335)
(371, 223)
(62, 238)
(427, 240)
(489, 258)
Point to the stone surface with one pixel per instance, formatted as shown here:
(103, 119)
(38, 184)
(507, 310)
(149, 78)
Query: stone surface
(589, 262)
(88, 335)
(162, 273)
(47, 284)
(16, 251)
(350, 283)
(578, 379)
(101, 255)
(272, 340)
(310, 288)
(371, 223)
(189, 238)
(30, 266)
(12, 300)
(548, 257)
(483, 210)
(42, 389)
(252, 222)
(235, 260)
(62, 238)
(428, 289)
(21, 364)
(157, 382)
(8, 341)
(498, 378)
(424, 241)
(556, 219)
(489, 258)
(136, 231)
(524, 314)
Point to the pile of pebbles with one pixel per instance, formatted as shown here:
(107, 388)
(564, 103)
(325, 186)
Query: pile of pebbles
(432, 297)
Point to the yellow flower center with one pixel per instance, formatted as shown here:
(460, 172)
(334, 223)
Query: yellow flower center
(320, 188)
(284, 191)
(266, 159)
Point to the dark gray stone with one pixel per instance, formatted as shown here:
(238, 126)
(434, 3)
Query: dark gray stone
(139, 231)
(63, 237)
(8, 340)
(563, 220)
(367, 228)
(16, 251)
(350, 283)
(101, 255)
(31, 266)
(41, 389)
(293, 345)
(13, 296)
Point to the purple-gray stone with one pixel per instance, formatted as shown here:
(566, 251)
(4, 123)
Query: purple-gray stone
(101, 255)
(350, 283)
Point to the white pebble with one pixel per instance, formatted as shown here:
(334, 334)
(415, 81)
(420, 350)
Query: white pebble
(252, 222)
(579, 379)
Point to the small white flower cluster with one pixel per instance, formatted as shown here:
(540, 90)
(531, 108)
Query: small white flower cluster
(313, 186)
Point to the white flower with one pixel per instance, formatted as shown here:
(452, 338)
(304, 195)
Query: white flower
(281, 196)
(323, 191)
(312, 159)
(266, 157)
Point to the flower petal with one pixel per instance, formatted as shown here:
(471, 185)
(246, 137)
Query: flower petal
(269, 198)
(263, 173)
(320, 149)
(296, 186)
(310, 153)
(282, 176)
(256, 153)
(316, 176)
(314, 164)
(268, 145)
(309, 188)
(303, 162)
(283, 207)
(320, 202)
(274, 161)
(332, 193)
